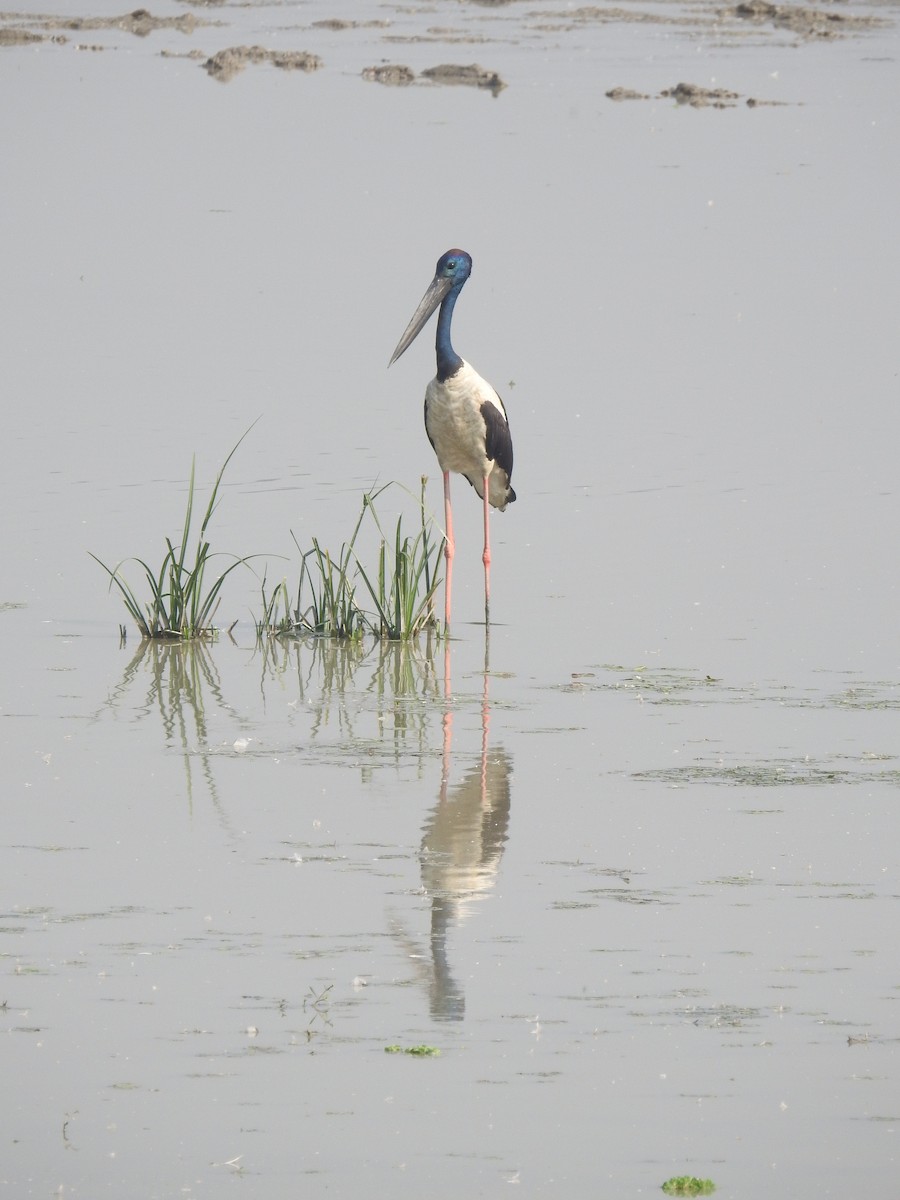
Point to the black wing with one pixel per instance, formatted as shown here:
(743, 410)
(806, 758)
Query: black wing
(497, 439)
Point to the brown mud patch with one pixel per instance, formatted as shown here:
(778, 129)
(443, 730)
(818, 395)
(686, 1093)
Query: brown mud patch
(701, 97)
(693, 95)
(338, 25)
(390, 74)
(445, 34)
(470, 76)
(140, 23)
(448, 73)
(227, 63)
(805, 22)
(623, 93)
(727, 24)
(575, 18)
(18, 37)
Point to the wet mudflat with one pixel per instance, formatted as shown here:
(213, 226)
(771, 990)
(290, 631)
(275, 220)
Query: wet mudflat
(631, 865)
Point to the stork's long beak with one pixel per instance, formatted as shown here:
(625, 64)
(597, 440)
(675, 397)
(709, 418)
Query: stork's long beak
(437, 290)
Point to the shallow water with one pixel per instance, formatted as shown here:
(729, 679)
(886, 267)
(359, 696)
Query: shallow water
(632, 866)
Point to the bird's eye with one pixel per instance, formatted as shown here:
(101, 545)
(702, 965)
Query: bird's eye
(451, 265)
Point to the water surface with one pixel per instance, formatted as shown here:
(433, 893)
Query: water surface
(631, 867)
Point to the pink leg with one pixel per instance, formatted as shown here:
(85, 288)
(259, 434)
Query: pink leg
(449, 550)
(486, 557)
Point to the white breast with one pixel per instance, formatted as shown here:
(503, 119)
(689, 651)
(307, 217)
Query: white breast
(456, 428)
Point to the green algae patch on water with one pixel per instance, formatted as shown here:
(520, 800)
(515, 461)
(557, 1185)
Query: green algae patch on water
(688, 1185)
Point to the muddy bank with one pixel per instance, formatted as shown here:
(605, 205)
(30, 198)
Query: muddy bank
(805, 22)
(507, 24)
(140, 23)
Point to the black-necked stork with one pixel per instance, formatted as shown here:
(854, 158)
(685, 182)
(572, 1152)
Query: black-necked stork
(464, 417)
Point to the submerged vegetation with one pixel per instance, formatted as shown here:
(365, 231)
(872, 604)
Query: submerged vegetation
(399, 589)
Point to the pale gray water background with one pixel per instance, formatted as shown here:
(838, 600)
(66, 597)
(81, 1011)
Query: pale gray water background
(650, 917)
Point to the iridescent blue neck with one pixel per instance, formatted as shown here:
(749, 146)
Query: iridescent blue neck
(448, 361)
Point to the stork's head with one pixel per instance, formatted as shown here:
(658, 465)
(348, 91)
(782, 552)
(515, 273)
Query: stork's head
(452, 271)
(455, 265)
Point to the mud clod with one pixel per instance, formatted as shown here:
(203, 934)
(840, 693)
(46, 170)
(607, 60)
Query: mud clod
(392, 74)
(469, 76)
(701, 97)
(623, 93)
(230, 62)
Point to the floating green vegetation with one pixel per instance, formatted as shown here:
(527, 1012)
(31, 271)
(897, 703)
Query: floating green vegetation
(182, 601)
(677, 685)
(688, 1185)
(776, 773)
(402, 586)
(660, 685)
(868, 697)
(722, 1016)
(416, 1051)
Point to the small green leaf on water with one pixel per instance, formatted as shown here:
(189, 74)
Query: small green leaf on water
(420, 1051)
(688, 1185)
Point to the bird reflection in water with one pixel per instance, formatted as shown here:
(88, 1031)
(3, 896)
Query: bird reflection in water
(464, 834)
(462, 844)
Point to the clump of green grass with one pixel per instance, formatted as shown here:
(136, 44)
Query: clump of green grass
(402, 587)
(688, 1185)
(276, 610)
(182, 600)
(326, 598)
(415, 1051)
(333, 609)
